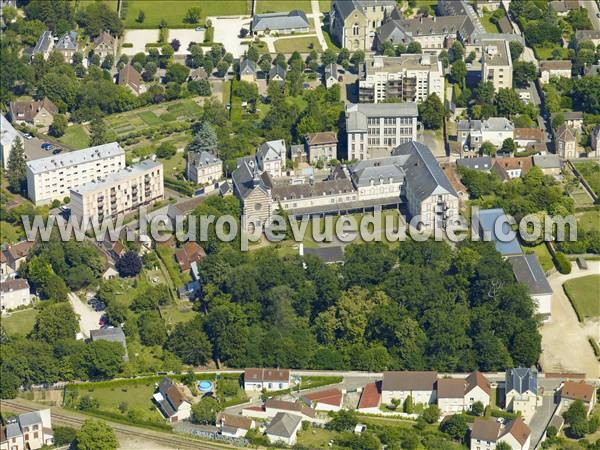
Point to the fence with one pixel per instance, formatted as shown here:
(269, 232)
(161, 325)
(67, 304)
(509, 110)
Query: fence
(238, 442)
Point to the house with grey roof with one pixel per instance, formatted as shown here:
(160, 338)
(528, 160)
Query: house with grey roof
(111, 334)
(493, 225)
(480, 163)
(588, 35)
(271, 157)
(283, 428)
(330, 75)
(521, 391)
(67, 45)
(471, 134)
(529, 272)
(379, 178)
(253, 188)
(44, 45)
(8, 136)
(329, 255)
(550, 164)
(294, 21)
(172, 400)
(248, 70)
(31, 430)
(277, 73)
(204, 167)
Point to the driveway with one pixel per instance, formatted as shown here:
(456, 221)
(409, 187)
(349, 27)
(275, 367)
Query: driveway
(541, 417)
(227, 31)
(565, 346)
(316, 14)
(185, 36)
(139, 39)
(88, 318)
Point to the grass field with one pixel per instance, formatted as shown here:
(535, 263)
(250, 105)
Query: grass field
(324, 6)
(543, 256)
(20, 322)
(489, 26)
(82, 4)
(591, 172)
(583, 293)
(75, 137)
(316, 437)
(546, 52)
(581, 197)
(263, 6)
(589, 220)
(302, 44)
(174, 11)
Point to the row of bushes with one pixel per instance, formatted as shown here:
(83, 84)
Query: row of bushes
(562, 263)
(179, 185)
(595, 347)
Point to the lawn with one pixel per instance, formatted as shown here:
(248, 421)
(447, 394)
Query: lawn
(581, 197)
(589, 220)
(543, 256)
(174, 11)
(265, 6)
(489, 26)
(75, 137)
(591, 173)
(328, 39)
(20, 322)
(316, 437)
(546, 52)
(150, 118)
(167, 256)
(584, 295)
(301, 44)
(85, 3)
(10, 233)
(324, 6)
(177, 312)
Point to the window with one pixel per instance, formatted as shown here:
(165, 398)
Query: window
(355, 30)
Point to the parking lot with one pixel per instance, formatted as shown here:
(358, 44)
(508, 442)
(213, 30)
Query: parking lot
(185, 36)
(227, 32)
(33, 149)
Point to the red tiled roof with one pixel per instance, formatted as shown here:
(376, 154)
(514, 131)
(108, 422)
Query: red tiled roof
(578, 391)
(20, 250)
(324, 137)
(261, 374)
(328, 396)
(370, 396)
(478, 379)
(518, 429)
(290, 406)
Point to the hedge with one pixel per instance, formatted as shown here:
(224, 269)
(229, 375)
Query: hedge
(504, 414)
(127, 45)
(595, 347)
(562, 263)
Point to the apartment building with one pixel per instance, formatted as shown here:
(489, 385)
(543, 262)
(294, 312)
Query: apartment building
(473, 133)
(410, 78)
(29, 431)
(373, 130)
(53, 177)
(120, 192)
(497, 64)
(204, 167)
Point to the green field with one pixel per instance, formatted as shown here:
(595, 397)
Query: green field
(174, 11)
(20, 322)
(301, 44)
(324, 6)
(546, 52)
(584, 294)
(543, 256)
(589, 220)
(591, 172)
(489, 26)
(581, 197)
(263, 6)
(75, 137)
(82, 4)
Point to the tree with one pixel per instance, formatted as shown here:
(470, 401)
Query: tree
(205, 138)
(265, 62)
(190, 343)
(408, 405)
(205, 411)
(193, 15)
(456, 53)
(252, 54)
(523, 73)
(177, 73)
(455, 426)
(59, 125)
(152, 328)
(579, 20)
(414, 47)
(432, 112)
(509, 146)
(344, 420)
(96, 435)
(63, 435)
(477, 408)
(458, 73)
(166, 150)
(99, 17)
(558, 120)
(102, 359)
(97, 132)
(328, 57)
(484, 92)
(503, 446)
(516, 48)
(141, 17)
(358, 57)
(129, 265)
(508, 102)
(175, 44)
(431, 414)
(55, 322)
(108, 62)
(17, 168)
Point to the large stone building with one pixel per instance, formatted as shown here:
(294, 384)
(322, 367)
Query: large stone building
(253, 188)
(497, 64)
(353, 23)
(321, 146)
(566, 142)
(52, 178)
(373, 130)
(204, 167)
(410, 78)
(118, 193)
(280, 22)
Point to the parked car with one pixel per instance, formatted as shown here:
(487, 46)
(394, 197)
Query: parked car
(27, 136)
(46, 146)
(56, 151)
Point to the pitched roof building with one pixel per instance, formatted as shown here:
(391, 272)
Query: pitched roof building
(111, 334)
(172, 401)
(256, 379)
(281, 22)
(39, 113)
(284, 428)
(131, 79)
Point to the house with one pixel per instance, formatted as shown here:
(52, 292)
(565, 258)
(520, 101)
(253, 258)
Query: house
(527, 136)
(14, 293)
(566, 142)
(104, 45)
(521, 391)
(554, 68)
(573, 119)
(420, 386)
(16, 255)
(487, 220)
(509, 168)
(111, 334)
(234, 425)
(67, 46)
(39, 113)
(280, 23)
(527, 270)
(549, 164)
(44, 45)
(409, 78)
(203, 167)
(325, 400)
(270, 157)
(8, 136)
(497, 64)
(330, 75)
(188, 255)
(450, 395)
(562, 7)
(473, 133)
(283, 428)
(481, 163)
(571, 391)
(269, 379)
(198, 74)
(370, 398)
(353, 23)
(298, 154)
(131, 79)
(477, 389)
(595, 141)
(321, 146)
(30, 431)
(379, 178)
(299, 408)
(248, 70)
(588, 35)
(487, 433)
(277, 73)
(173, 401)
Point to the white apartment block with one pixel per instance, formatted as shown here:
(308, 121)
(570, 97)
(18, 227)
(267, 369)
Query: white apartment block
(119, 193)
(497, 64)
(411, 78)
(374, 130)
(52, 178)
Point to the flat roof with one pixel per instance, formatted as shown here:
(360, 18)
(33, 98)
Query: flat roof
(69, 159)
(116, 177)
(488, 218)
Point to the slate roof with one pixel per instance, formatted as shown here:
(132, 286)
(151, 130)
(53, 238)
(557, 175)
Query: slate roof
(247, 67)
(347, 7)
(8, 134)
(521, 379)
(423, 173)
(284, 425)
(379, 170)
(409, 381)
(247, 177)
(333, 254)
(111, 334)
(44, 43)
(277, 70)
(527, 270)
(358, 113)
(478, 163)
(331, 70)
(291, 20)
(487, 220)
(67, 41)
(547, 161)
(272, 150)
(203, 159)
(316, 189)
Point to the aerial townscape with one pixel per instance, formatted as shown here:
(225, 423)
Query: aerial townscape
(179, 180)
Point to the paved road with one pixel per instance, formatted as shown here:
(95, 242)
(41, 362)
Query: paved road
(540, 419)
(88, 318)
(565, 346)
(593, 10)
(316, 14)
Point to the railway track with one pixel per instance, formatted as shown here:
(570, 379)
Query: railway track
(169, 441)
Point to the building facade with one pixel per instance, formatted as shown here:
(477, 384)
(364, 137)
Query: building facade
(39, 113)
(67, 46)
(552, 68)
(30, 431)
(566, 142)
(204, 167)
(497, 64)
(321, 146)
(118, 193)
(13, 294)
(52, 178)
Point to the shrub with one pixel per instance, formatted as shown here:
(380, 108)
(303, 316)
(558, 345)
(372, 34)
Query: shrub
(562, 263)
(127, 45)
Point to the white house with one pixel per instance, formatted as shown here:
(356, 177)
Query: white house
(325, 400)
(204, 167)
(8, 136)
(14, 293)
(274, 406)
(487, 433)
(420, 386)
(32, 430)
(478, 389)
(455, 395)
(270, 157)
(572, 391)
(522, 391)
(269, 379)
(284, 428)
(233, 425)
